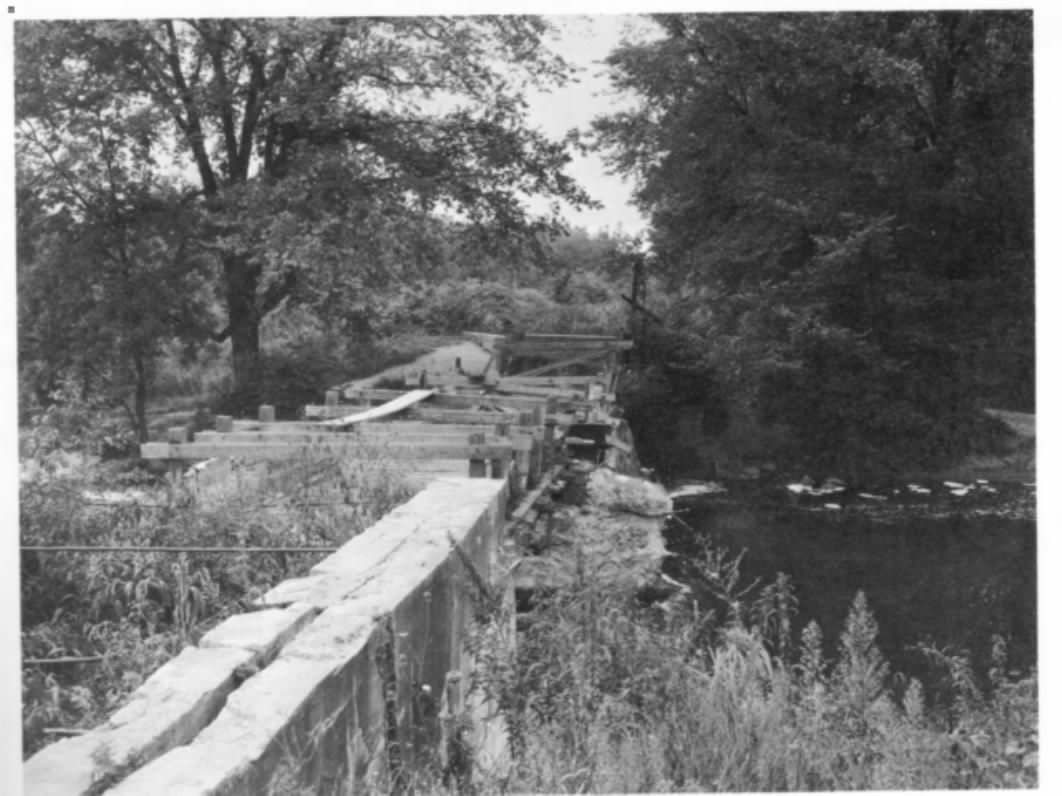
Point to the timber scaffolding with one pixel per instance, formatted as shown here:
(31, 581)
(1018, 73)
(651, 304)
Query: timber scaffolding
(448, 422)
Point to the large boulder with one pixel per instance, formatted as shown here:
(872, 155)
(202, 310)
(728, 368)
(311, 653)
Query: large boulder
(614, 492)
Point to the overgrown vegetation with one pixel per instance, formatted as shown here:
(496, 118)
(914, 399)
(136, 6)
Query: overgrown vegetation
(137, 609)
(325, 154)
(606, 694)
(842, 219)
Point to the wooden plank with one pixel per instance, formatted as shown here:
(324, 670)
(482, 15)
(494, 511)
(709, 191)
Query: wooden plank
(561, 393)
(610, 338)
(193, 451)
(382, 438)
(464, 400)
(528, 348)
(586, 359)
(318, 412)
(429, 414)
(558, 382)
(391, 407)
(413, 425)
(447, 379)
(280, 426)
(297, 443)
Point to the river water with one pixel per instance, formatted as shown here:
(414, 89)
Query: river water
(951, 571)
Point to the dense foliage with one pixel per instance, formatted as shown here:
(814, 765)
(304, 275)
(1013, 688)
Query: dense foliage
(318, 157)
(842, 210)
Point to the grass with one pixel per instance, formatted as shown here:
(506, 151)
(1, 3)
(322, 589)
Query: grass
(139, 609)
(608, 695)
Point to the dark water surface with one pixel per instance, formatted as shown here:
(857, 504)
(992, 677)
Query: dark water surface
(950, 573)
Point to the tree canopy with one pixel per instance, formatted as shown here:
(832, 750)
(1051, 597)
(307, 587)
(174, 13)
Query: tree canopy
(844, 203)
(315, 153)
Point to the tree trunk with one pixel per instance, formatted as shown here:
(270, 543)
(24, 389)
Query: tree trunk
(140, 397)
(241, 283)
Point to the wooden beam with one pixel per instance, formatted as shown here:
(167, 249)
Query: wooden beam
(429, 414)
(526, 348)
(580, 338)
(455, 420)
(556, 382)
(638, 306)
(279, 427)
(319, 412)
(381, 438)
(561, 393)
(391, 407)
(463, 400)
(585, 359)
(193, 451)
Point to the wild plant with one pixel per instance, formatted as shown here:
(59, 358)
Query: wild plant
(137, 609)
(606, 694)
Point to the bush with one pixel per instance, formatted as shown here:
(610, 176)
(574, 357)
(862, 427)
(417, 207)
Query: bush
(136, 609)
(609, 695)
(473, 304)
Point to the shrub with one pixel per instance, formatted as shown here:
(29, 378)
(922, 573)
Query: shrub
(609, 695)
(136, 609)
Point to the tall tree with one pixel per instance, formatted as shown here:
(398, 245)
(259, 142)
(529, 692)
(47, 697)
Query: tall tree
(845, 201)
(316, 144)
(103, 283)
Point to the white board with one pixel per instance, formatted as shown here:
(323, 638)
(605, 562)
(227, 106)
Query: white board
(389, 408)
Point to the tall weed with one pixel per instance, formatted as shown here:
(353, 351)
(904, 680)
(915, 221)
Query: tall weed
(608, 695)
(137, 609)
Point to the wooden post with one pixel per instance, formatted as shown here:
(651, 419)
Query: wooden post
(523, 457)
(477, 468)
(497, 466)
(331, 397)
(267, 413)
(223, 423)
(548, 434)
(637, 324)
(538, 416)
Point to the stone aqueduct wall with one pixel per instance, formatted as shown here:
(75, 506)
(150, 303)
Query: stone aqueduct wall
(345, 679)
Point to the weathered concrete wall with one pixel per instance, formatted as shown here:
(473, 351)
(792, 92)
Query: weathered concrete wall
(354, 699)
(169, 709)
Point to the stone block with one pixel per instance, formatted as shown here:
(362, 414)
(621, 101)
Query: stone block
(389, 598)
(324, 682)
(168, 710)
(261, 632)
(615, 492)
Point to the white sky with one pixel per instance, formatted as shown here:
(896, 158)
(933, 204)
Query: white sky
(585, 41)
